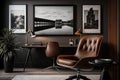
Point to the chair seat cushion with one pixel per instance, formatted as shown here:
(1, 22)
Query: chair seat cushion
(68, 62)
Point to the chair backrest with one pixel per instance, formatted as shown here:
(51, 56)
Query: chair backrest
(52, 49)
(89, 46)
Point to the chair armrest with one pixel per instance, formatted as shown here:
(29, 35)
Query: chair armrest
(67, 57)
(84, 63)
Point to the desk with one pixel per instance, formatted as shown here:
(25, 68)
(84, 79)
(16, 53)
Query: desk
(29, 48)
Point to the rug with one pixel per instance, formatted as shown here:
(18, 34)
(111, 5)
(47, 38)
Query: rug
(50, 77)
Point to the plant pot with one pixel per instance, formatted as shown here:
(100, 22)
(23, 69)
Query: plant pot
(9, 62)
(1, 63)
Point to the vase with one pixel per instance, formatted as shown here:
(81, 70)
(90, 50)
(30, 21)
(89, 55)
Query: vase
(8, 62)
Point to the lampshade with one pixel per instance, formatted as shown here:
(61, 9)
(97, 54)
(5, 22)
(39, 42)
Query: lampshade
(78, 32)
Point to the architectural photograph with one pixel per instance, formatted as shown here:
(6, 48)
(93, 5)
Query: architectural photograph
(59, 40)
(54, 20)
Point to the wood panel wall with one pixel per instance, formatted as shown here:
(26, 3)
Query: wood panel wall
(113, 35)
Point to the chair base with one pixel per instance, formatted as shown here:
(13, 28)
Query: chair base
(54, 66)
(77, 77)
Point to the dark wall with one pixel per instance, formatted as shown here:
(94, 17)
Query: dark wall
(63, 40)
(119, 37)
(2, 8)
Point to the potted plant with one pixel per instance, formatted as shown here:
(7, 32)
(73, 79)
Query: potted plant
(7, 48)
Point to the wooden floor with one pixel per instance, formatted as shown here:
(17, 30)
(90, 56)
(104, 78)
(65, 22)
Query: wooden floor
(37, 71)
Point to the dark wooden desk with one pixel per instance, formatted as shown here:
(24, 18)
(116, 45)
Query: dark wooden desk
(29, 48)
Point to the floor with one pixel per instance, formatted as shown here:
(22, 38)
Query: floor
(37, 71)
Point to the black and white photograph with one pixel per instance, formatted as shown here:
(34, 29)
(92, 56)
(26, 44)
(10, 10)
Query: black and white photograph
(17, 18)
(53, 20)
(91, 19)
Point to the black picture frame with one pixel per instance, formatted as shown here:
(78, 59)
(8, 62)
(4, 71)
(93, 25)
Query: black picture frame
(91, 19)
(17, 18)
(54, 20)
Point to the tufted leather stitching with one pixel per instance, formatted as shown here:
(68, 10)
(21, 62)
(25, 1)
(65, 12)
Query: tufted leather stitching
(89, 44)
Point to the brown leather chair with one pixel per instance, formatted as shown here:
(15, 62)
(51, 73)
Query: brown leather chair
(52, 51)
(88, 49)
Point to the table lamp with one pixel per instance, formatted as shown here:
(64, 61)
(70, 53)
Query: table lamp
(78, 32)
(27, 35)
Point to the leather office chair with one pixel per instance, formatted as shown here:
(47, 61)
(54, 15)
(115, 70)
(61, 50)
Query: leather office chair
(88, 49)
(52, 51)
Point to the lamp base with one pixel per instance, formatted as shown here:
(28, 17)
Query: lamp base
(26, 44)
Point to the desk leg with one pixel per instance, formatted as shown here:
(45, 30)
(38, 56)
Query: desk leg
(105, 74)
(27, 57)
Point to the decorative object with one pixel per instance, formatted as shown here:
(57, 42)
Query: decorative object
(71, 42)
(17, 18)
(91, 19)
(7, 48)
(54, 19)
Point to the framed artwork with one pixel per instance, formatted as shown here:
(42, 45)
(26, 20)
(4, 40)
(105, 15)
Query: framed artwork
(54, 19)
(17, 18)
(91, 19)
